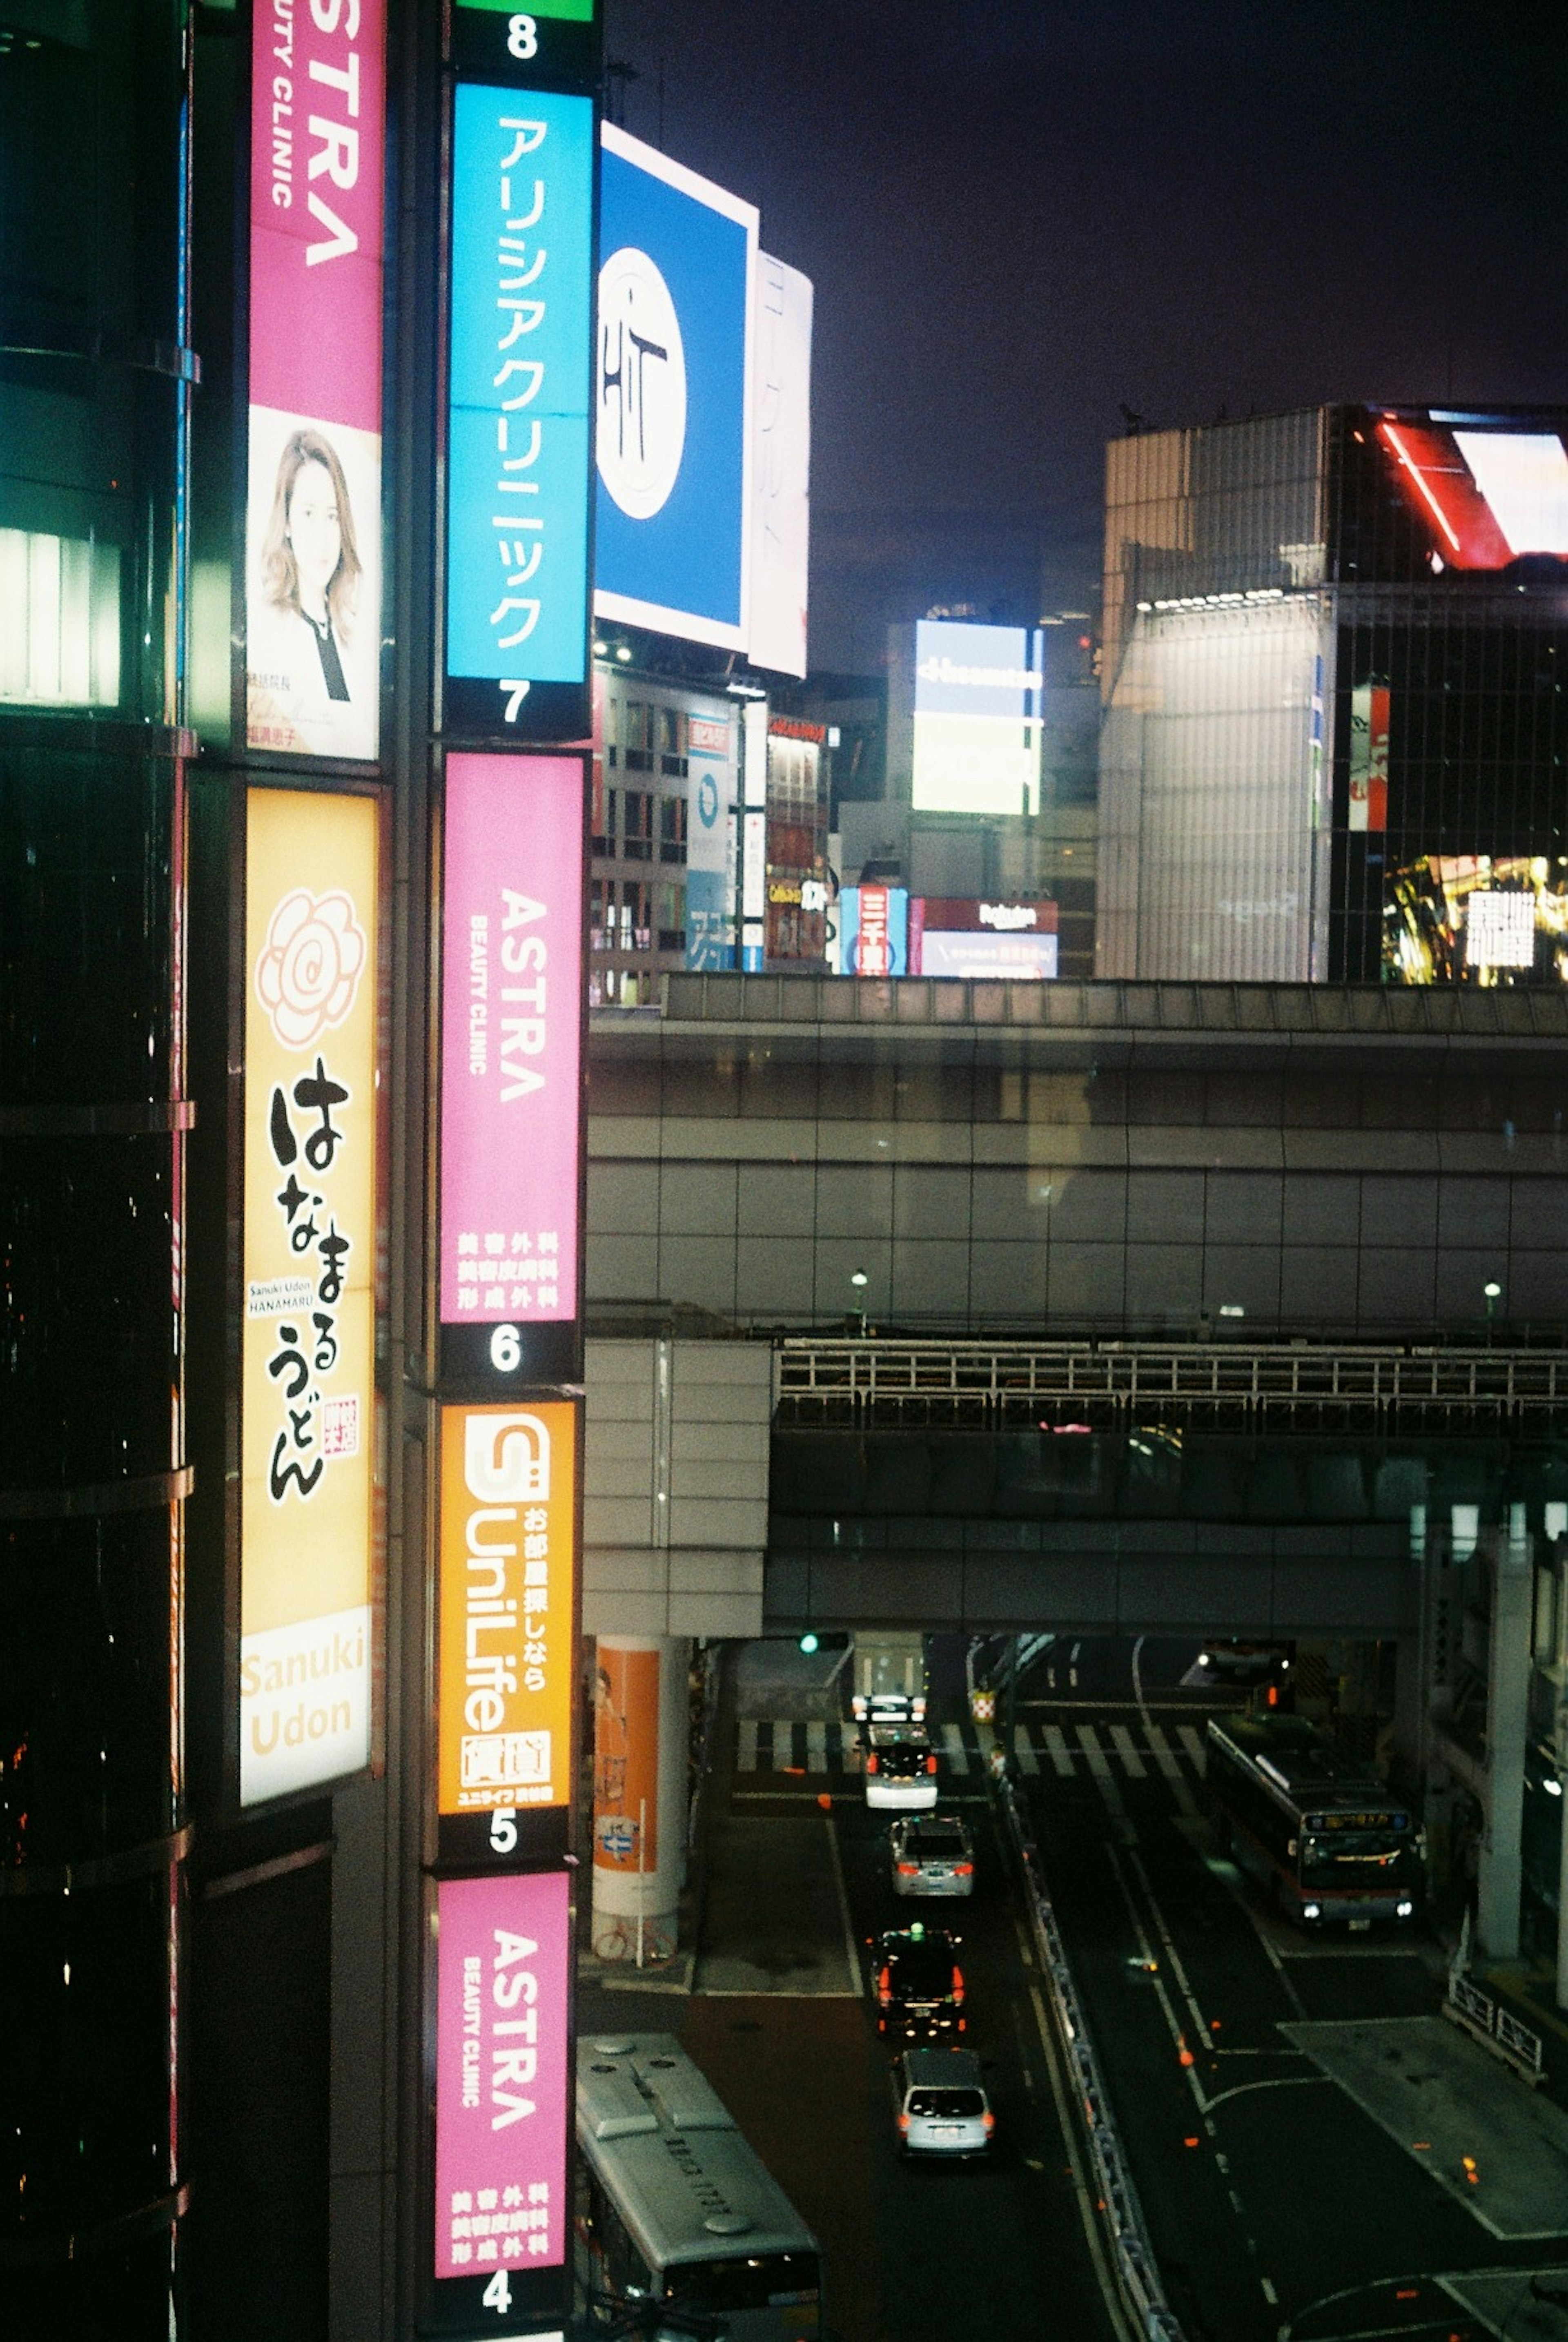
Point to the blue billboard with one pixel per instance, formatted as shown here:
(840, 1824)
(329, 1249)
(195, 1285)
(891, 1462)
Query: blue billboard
(518, 453)
(670, 392)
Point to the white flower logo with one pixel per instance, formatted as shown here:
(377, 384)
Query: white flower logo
(310, 965)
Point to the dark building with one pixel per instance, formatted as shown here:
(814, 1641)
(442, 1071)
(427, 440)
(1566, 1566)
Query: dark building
(1334, 728)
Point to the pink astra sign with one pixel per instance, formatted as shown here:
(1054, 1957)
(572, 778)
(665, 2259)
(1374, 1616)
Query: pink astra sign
(502, 2074)
(318, 129)
(510, 1038)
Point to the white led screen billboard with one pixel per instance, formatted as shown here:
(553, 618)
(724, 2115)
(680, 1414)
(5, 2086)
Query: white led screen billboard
(977, 711)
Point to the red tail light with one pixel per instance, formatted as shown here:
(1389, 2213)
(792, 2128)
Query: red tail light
(903, 2122)
(963, 1870)
(931, 1764)
(989, 2119)
(871, 1762)
(909, 1870)
(958, 1984)
(883, 1987)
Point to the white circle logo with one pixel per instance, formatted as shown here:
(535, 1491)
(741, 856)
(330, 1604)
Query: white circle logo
(640, 385)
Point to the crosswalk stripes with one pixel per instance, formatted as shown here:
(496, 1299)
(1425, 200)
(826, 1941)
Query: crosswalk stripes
(1165, 1758)
(1110, 1754)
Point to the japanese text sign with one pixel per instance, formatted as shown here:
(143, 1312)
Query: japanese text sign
(510, 1040)
(518, 457)
(502, 2075)
(313, 522)
(507, 1598)
(308, 1326)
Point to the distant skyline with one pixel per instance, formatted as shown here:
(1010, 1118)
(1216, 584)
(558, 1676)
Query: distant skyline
(1022, 216)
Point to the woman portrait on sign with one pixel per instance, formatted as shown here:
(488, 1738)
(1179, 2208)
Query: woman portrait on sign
(301, 619)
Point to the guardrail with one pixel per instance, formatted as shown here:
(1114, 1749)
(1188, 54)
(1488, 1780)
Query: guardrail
(1490, 2023)
(1124, 1376)
(1132, 2255)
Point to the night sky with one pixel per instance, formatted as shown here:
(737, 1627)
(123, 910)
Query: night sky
(1022, 216)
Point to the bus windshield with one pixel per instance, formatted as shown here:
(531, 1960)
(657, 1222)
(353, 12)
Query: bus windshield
(1353, 1857)
(765, 2281)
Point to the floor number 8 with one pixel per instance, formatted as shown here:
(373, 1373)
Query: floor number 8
(523, 37)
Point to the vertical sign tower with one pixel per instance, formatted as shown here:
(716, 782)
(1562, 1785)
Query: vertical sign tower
(504, 1279)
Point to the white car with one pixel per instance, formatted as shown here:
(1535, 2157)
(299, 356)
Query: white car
(939, 2104)
(930, 1854)
(900, 1770)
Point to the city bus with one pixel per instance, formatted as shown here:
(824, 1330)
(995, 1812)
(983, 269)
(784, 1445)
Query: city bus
(1318, 1830)
(680, 2230)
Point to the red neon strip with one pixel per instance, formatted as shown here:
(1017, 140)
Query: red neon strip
(1394, 442)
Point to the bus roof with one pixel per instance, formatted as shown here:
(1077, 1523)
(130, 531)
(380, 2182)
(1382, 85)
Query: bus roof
(1299, 1764)
(685, 2180)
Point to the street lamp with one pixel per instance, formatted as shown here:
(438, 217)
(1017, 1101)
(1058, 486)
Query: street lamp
(1492, 1293)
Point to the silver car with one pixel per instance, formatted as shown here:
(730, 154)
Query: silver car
(931, 1854)
(900, 1769)
(940, 2103)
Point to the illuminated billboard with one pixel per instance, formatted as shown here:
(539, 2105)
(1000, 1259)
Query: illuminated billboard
(503, 2090)
(1477, 919)
(505, 1616)
(978, 695)
(1368, 757)
(874, 931)
(313, 552)
(1010, 941)
(709, 823)
(308, 1323)
(518, 462)
(671, 397)
(1488, 492)
(781, 467)
(510, 1056)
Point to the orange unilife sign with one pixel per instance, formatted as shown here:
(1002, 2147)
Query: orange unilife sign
(508, 1560)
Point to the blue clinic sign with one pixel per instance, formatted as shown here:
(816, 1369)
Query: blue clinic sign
(671, 391)
(517, 446)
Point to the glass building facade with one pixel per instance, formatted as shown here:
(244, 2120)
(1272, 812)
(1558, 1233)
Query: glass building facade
(95, 377)
(1333, 729)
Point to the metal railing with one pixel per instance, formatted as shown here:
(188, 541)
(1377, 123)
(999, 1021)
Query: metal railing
(1120, 2215)
(1128, 1376)
(1481, 2015)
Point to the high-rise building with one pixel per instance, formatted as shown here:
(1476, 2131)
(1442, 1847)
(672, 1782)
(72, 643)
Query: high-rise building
(1334, 733)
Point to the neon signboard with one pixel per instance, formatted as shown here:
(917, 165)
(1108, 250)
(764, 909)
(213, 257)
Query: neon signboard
(1488, 494)
(517, 423)
(502, 2084)
(978, 697)
(511, 1062)
(312, 553)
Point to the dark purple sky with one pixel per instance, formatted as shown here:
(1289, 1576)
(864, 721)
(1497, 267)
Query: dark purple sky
(1021, 214)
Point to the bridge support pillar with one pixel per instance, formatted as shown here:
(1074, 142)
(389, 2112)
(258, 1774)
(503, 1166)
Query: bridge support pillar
(641, 1732)
(1499, 1878)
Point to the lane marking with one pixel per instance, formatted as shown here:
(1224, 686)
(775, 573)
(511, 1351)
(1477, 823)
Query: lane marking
(849, 1743)
(1270, 2295)
(1024, 1749)
(1280, 2082)
(860, 1982)
(817, 1748)
(1056, 1745)
(1136, 1768)
(747, 1750)
(1106, 1781)
(957, 1755)
(1110, 2290)
(1165, 1758)
(1195, 1750)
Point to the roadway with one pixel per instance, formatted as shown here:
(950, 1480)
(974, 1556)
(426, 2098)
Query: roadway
(1291, 2193)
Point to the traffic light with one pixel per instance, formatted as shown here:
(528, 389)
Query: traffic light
(816, 1639)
